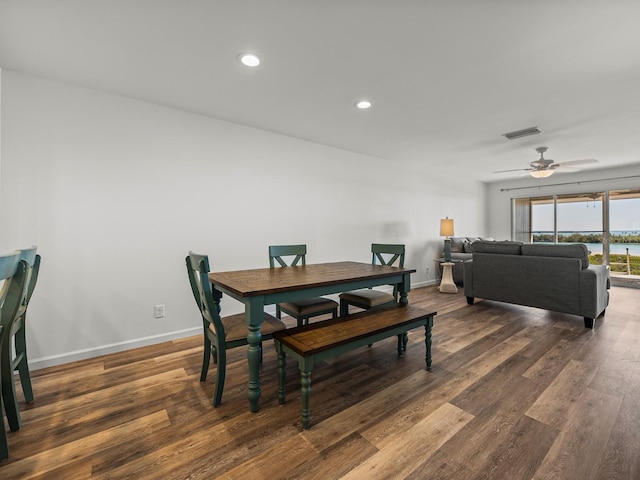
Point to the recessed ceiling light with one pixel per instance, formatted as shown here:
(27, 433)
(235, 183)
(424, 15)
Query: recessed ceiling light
(363, 104)
(249, 59)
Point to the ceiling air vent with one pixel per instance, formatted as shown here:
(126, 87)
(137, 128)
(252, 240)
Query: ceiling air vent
(522, 133)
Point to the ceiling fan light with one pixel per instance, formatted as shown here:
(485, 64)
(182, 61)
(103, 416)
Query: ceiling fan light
(541, 173)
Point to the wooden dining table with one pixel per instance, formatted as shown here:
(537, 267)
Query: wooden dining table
(257, 288)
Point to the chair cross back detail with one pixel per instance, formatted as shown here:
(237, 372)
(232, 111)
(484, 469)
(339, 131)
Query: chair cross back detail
(380, 249)
(298, 252)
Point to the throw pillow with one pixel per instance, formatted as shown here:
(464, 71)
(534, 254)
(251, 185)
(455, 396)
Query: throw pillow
(457, 244)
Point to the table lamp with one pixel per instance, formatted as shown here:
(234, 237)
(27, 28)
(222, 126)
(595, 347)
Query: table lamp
(446, 230)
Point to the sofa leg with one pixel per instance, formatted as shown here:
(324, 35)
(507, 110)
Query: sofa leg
(588, 322)
(470, 300)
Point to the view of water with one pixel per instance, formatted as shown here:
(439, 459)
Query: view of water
(615, 248)
(634, 248)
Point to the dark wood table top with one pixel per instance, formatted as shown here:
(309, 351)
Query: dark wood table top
(265, 281)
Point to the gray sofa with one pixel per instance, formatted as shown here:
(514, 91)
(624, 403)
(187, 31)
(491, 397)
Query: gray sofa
(460, 253)
(554, 277)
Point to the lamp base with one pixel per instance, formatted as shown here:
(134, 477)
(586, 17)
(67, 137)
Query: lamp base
(447, 249)
(447, 284)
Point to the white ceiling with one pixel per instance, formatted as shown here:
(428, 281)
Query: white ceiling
(446, 78)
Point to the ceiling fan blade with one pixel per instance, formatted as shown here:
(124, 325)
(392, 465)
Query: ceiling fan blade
(515, 170)
(584, 161)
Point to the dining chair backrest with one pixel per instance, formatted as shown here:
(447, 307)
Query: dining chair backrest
(295, 253)
(9, 268)
(198, 270)
(12, 272)
(32, 259)
(387, 254)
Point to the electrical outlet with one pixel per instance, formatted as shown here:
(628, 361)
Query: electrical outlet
(158, 311)
(427, 270)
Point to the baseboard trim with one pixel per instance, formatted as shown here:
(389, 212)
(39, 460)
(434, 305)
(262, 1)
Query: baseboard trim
(427, 283)
(68, 357)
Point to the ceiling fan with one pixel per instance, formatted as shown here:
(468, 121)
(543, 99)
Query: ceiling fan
(544, 167)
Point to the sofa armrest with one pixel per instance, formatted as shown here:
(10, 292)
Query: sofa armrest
(594, 294)
(468, 278)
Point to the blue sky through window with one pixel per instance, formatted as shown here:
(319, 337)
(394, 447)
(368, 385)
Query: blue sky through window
(624, 215)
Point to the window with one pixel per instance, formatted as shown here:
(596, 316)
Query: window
(607, 222)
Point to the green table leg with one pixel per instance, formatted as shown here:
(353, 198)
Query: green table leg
(255, 317)
(403, 289)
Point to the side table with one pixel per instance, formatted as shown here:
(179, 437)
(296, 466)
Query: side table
(447, 284)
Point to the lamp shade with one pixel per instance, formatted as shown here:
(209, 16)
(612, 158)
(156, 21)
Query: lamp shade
(541, 173)
(446, 227)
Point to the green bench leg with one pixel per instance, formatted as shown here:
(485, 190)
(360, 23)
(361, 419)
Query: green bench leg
(282, 374)
(427, 341)
(403, 339)
(305, 391)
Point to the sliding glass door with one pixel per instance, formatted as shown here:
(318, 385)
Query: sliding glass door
(607, 222)
(624, 231)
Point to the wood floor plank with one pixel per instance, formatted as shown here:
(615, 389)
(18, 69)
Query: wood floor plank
(56, 457)
(621, 457)
(78, 470)
(336, 460)
(492, 358)
(422, 440)
(519, 452)
(578, 450)
(395, 425)
(293, 449)
(550, 363)
(460, 339)
(99, 403)
(555, 403)
(366, 411)
(497, 423)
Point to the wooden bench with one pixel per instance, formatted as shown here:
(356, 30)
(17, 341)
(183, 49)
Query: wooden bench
(321, 340)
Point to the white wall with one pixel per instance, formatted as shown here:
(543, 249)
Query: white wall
(500, 194)
(115, 192)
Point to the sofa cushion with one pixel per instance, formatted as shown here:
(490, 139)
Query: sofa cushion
(571, 250)
(457, 244)
(505, 247)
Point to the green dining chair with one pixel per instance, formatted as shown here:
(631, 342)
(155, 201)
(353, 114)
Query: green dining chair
(366, 298)
(306, 308)
(13, 277)
(382, 254)
(220, 333)
(18, 361)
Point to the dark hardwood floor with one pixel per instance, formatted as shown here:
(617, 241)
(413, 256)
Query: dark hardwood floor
(515, 393)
